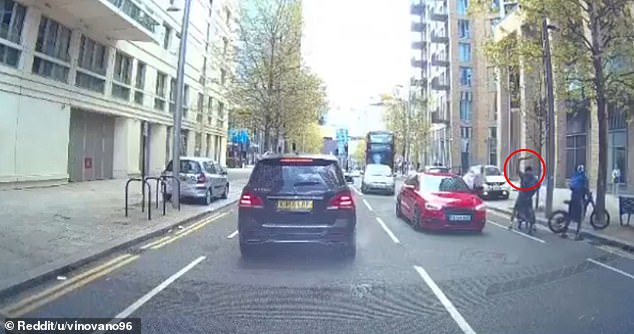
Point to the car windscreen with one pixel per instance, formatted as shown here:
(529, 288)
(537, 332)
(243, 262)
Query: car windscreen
(378, 170)
(431, 183)
(187, 167)
(296, 175)
(492, 171)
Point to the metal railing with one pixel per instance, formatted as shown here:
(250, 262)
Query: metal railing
(149, 201)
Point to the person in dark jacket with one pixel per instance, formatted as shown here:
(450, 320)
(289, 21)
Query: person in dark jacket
(578, 191)
(524, 201)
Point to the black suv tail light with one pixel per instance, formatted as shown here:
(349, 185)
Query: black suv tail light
(341, 201)
(248, 200)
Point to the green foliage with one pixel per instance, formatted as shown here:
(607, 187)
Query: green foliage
(275, 93)
(359, 151)
(307, 138)
(408, 121)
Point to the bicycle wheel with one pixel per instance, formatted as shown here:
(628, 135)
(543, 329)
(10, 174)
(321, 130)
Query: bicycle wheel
(558, 221)
(599, 226)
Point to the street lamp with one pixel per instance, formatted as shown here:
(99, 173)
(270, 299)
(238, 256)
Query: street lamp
(180, 90)
(550, 123)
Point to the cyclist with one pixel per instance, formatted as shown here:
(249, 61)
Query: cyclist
(524, 201)
(578, 192)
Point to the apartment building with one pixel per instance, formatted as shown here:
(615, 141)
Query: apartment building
(83, 82)
(575, 121)
(450, 71)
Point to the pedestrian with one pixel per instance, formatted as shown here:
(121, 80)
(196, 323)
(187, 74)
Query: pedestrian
(578, 192)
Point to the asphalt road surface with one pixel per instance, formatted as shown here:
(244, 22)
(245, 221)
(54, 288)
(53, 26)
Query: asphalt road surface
(195, 281)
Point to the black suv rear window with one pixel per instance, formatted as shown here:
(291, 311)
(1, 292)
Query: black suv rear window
(289, 175)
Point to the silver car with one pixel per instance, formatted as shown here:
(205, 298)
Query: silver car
(200, 178)
(378, 178)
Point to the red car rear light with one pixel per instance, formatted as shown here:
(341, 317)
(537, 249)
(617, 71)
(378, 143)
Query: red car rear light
(341, 201)
(201, 178)
(248, 200)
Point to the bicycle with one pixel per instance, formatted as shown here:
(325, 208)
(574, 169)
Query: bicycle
(559, 220)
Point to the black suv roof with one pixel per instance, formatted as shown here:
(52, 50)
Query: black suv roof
(305, 156)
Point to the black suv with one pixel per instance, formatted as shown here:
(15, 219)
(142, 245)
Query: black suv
(297, 199)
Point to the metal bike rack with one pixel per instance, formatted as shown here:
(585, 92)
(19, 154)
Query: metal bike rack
(149, 201)
(178, 182)
(160, 187)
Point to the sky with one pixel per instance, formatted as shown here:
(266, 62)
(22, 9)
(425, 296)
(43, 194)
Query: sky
(359, 48)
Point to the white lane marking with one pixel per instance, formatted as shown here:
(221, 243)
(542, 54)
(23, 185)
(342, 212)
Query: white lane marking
(356, 190)
(137, 304)
(367, 204)
(232, 235)
(387, 230)
(619, 271)
(457, 317)
(517, 232)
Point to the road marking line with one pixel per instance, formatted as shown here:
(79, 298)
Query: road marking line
(178, 232)
(189, 231)
(232, 235)
(387, 230)
(356, 191)
(45, 297)
(517, 232)
(137, 304)
(148, 245)
(619, 271)
(367, 204)
(457, 317)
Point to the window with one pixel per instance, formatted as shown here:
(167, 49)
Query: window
(90, 82)
(210, 109)
(49, 69)
(465, 76)
(122, 76)
(462, 7)
(494, 23)
(198, 142)
(221, 115)
(11, 21)
(492, 145)
(225, 45)
(159, 92)
(53, 39)
(139, 82)
(466, 106)
(491, 78)
(199, 105)
(464, 51)
(464, 29)
(317, 175)
(172, 107)
(92, 56)
(207, 145)
(223, 76)
(466, 132)
(167, 36)
(185, 100)
(228, 21)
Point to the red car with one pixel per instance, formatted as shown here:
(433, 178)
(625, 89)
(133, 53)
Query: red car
(440, 201)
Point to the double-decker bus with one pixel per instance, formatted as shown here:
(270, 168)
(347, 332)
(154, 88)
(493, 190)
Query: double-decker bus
(380, 148)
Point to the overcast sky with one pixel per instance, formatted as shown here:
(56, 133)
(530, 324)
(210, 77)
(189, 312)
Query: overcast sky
(360, 48)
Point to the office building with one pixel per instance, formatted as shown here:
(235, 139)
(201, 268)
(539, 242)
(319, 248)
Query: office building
(81, 83)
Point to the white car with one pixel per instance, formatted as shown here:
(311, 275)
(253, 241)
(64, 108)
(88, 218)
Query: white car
(378, 178)
(355, 173)
(495, 184)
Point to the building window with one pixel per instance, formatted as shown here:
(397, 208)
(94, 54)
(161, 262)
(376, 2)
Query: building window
(225, 46)
(9, 56)
(492, 146)
(464, 29)
(159, 91)
(167, 36)
(53, 39)
(228, 18)
(92, 59)
(462, 7)
(575, 152)
(172, 107)
(465, 76)
(492, 78)
(168, 144)
(466, 106)
(122, 76)
(494, 23)
(464, 52)
(221, 115)
(186, 100)
(223, 76)
(207, 145)
(198, 144)
(210, 109)
(617, 152)
(199, 105)
(139, 82)
(51, 70)
(11, 21)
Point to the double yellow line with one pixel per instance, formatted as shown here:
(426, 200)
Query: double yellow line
(33, 302)
(182, 233)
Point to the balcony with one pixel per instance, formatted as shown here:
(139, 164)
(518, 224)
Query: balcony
(419, 63)
(417, 27)
(436, 84)
(417, 9)
(440, 15)
(439, 61)
(419, 45)
(414, 82)
(437, 118)
(115, 19)
(439, 39)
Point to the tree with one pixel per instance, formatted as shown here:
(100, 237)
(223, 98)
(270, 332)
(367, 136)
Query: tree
(359, 151)
(274, 92)
(592, 58)
(306, 137)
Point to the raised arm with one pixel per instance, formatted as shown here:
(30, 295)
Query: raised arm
(519, 170)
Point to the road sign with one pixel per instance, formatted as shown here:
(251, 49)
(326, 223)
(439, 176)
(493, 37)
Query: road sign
(342, 135)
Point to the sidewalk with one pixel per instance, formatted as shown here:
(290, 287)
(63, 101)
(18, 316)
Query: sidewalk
(615, 234)
(44, 231)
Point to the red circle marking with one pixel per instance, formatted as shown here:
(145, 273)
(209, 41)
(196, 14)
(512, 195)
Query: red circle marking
(543, 169)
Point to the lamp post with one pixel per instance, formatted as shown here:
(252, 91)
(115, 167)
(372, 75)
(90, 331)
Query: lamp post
(550, 121)
(180, 90)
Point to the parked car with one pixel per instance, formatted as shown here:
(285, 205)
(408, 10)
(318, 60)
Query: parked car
(297, 199)
(355, 173)
(378, 178)
(494, 183)
(440, 202)
(200, 178)
(436, 169)
(348, 176)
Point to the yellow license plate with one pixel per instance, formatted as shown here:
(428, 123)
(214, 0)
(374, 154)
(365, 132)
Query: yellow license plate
(294, 205)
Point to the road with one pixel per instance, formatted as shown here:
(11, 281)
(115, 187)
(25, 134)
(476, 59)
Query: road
(402, 281)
